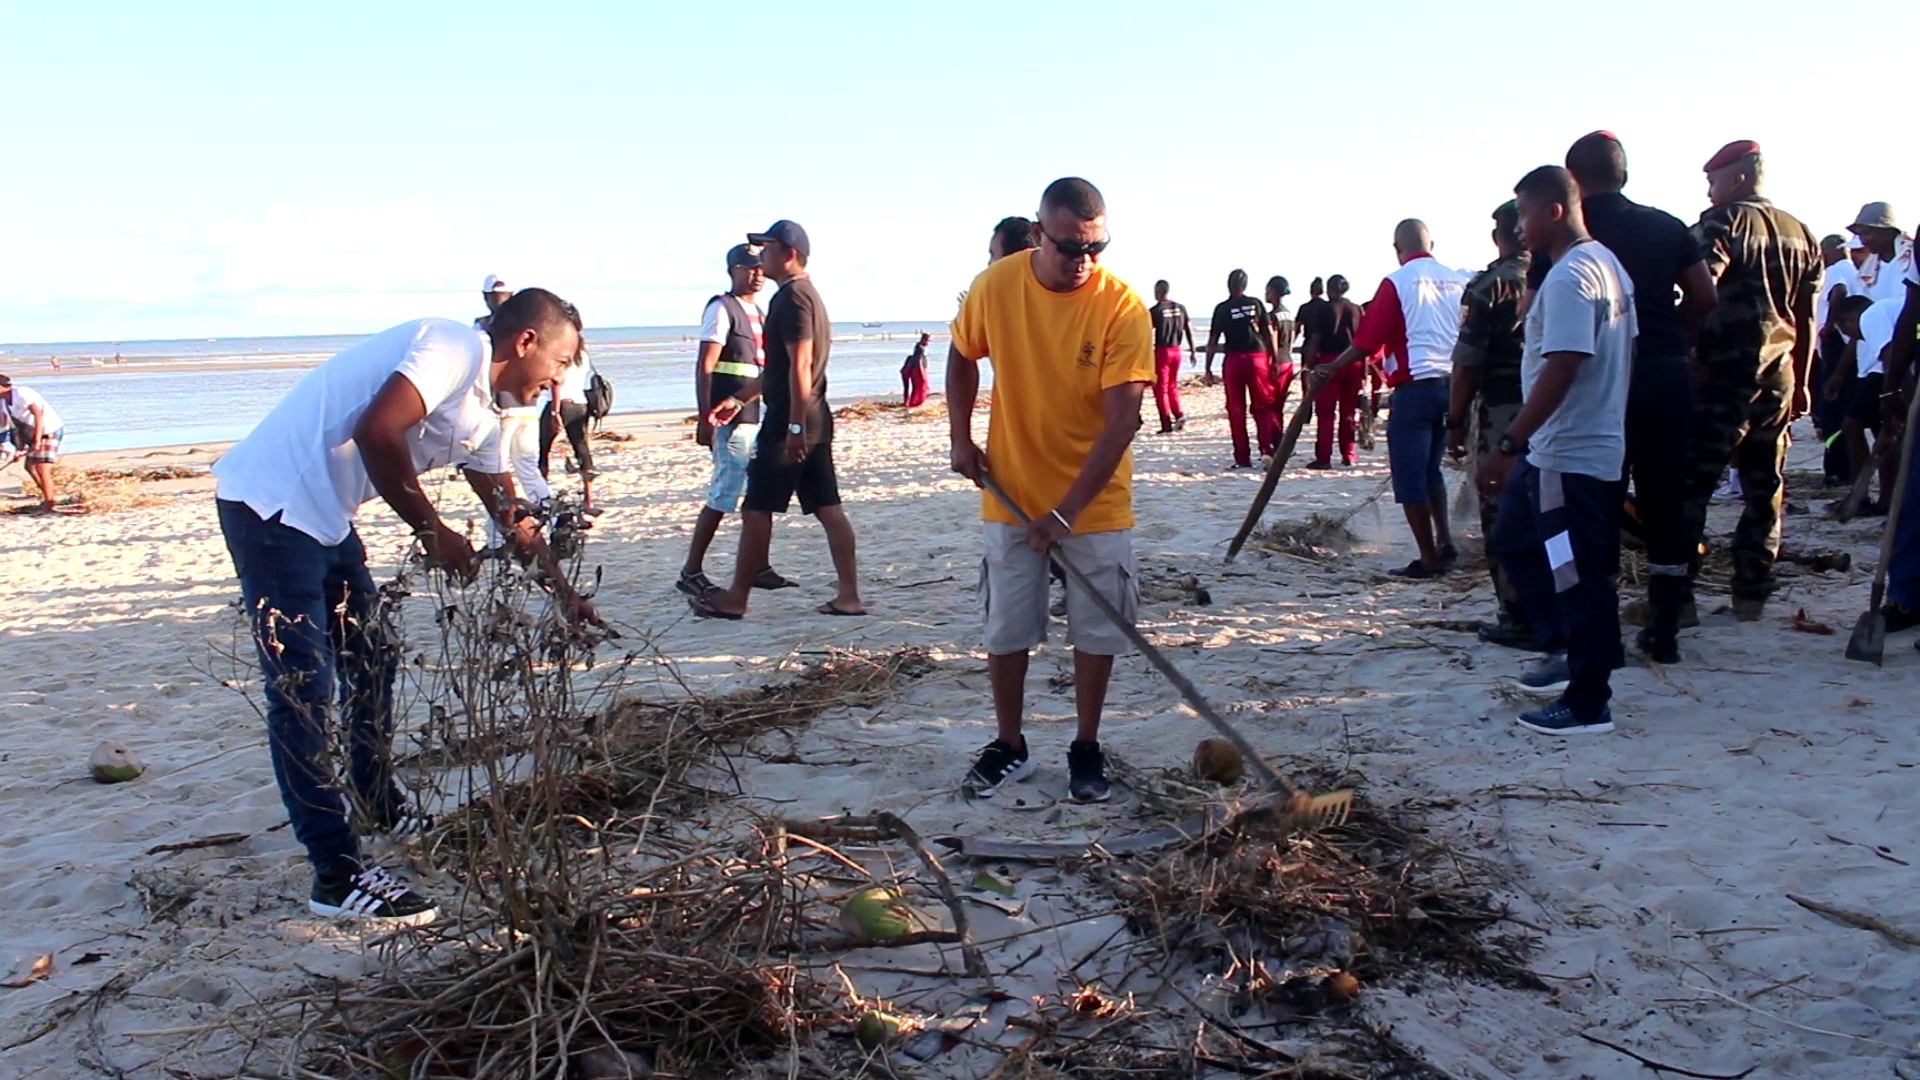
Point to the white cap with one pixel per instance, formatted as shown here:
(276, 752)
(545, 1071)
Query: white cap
(1854, 244)
(494, 284)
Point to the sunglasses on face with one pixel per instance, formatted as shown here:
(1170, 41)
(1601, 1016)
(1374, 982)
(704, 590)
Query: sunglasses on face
(1074, 249)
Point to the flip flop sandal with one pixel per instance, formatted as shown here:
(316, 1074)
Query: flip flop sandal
(704, 608)
(830, 608)
(771, 579)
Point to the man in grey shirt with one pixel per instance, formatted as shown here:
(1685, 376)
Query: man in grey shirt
(1557, 467)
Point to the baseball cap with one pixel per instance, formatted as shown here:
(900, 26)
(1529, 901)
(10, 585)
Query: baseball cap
(787, 233)
(494, 284)
(1731, 153)
(1853, 243)
(1875, 215)
(742, 255)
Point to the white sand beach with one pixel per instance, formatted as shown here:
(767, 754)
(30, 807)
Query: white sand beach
(1655, 864)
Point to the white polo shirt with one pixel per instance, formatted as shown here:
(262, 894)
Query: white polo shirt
(1887, 280)
(1876, 333)
(20, 405)
(301, 461)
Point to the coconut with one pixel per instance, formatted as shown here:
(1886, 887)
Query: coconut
(1341, 986)
(1218, 760)
(875, 1027)
(114, 763)
(876, 913)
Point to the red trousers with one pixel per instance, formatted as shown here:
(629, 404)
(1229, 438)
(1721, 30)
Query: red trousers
(1342, 392)
(913, 385)
(1166, 384)
(1250, 385)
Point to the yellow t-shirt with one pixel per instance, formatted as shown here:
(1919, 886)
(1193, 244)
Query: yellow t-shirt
(1052, 355)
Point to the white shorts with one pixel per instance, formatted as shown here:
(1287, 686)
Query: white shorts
(1014, 587)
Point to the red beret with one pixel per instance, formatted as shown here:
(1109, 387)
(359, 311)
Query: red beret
(1731, 153)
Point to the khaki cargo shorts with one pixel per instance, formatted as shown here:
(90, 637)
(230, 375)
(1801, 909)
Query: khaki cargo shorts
(1014, 586)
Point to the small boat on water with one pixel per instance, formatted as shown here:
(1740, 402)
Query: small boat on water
(871, 325)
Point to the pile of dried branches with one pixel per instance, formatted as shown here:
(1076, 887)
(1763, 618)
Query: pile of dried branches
(106, 491)
(1322, 537)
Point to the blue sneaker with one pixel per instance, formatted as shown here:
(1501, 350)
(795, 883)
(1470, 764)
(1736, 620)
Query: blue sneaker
(1557, 719)
(1548, 678)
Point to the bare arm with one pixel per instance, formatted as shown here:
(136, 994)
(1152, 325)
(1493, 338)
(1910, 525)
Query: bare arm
(1466, 384)
(963, 392)
(1120, 409)
(1213, 344)
(1698, 297)
(800, 382)
(1186, 323)
(703, 375)
(381, 437)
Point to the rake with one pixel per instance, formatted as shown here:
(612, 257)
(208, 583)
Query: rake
(1297, 810)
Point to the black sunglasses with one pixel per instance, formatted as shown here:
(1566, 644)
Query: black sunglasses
(1074, 249)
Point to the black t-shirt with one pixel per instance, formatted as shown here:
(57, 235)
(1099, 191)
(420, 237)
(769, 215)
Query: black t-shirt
(1655, 248)
(1241, 322)
(1333, 322)
(795, 315)
(1169, 324)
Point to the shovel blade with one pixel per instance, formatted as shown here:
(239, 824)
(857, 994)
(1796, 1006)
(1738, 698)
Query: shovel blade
(1869, 641)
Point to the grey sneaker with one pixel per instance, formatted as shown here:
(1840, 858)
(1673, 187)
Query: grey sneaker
(1548, 678)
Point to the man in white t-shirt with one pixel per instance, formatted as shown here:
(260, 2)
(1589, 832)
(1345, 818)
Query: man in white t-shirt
(726, 391)
(1840, 279)
(1869, 326)
(26, 418)
(1557, 468)
(368, 422)
(493, 292)
(1889, 253)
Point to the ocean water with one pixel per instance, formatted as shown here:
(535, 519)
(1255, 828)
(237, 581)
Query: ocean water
(213, 390)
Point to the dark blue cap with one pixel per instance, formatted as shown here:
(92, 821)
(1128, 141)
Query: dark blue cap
(787, 233)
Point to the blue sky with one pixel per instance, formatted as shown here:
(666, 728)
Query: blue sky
(221, 169)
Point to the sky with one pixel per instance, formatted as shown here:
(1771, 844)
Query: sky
(230, 169)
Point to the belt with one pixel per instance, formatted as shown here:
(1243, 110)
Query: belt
(738, 370)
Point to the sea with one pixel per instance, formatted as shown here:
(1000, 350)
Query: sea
(120, 395)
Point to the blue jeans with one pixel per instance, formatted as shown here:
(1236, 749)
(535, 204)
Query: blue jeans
(1903, 569)
(318, 630)
(1417, 441)
(1575, 607)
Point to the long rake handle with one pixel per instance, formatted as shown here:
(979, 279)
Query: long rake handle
(1154, 656)
(1272, 480)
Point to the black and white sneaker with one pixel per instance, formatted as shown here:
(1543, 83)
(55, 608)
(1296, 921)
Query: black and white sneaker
(1548, 678)
(997, 766)
(373, 894)
(1087, 773)
(408, 824)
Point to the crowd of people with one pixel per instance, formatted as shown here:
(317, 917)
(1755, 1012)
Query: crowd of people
(1606, 348)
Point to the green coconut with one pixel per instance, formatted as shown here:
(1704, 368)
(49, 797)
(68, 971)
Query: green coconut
(874, 1028)
(114, 763)
(876, 913)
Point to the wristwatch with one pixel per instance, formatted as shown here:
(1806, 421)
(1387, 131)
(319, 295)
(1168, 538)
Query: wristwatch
(1455, 423)
(796, 429)
(1511, 446)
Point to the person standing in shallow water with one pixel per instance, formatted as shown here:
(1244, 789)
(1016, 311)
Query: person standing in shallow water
(913, 375)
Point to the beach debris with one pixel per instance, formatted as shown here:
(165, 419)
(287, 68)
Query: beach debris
(1341, 986)
(875, 1028)
(610, 1063)
(1218, 760)
(114, 763)
(988, 881)
(41, 968)
(876, 913)
(1806, 624)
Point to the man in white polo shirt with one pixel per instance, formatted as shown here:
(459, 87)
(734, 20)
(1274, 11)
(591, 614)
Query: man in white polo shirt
(26, 417)
(1415, 317)
(368, 422)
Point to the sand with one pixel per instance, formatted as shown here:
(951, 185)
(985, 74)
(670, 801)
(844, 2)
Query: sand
(1657, 861)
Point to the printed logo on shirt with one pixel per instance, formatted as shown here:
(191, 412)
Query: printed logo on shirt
(1086, 354)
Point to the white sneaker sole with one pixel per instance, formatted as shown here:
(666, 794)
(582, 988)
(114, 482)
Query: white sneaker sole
(1550, 690)
(1584, 729)
(330, 911)
(1103, 797)
(1020, 772)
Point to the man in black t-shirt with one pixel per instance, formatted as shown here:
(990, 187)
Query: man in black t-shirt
(1329, 325)
(1240, 322)
(1661, 255)
(794, 454)
(1170, 326)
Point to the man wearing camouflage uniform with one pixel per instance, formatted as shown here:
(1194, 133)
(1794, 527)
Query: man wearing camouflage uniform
(1752, 364)
(1486, 381)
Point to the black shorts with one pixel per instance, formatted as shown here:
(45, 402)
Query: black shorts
(773, 480)
(1863, 400)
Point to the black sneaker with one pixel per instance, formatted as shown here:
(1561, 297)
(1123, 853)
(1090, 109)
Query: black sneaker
(1509, 636)
(997, 766)
(373, 894)
(1087, 773)
(1550, 676)
(1899, 617)
(696, 584)
(1557, 719)
(1319, 466)
(408, 824)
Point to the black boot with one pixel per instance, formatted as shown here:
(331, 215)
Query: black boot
(1660, 641)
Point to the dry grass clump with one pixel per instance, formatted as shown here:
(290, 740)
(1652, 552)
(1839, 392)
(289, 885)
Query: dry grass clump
(107, 491)
(1322, 537)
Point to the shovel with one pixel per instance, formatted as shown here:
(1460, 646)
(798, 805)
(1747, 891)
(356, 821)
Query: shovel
(1869, 640)
(1298, 810)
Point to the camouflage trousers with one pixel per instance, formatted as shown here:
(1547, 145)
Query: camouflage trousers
(1740, 419)
(1494, 421)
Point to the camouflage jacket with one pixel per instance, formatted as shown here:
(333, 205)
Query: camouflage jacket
(1491, 335)
(1766, 263)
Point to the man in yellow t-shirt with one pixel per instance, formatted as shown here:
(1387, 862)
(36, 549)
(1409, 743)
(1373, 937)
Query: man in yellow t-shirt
(1072, 352)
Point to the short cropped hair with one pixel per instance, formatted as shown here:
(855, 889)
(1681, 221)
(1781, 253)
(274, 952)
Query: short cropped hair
(1014, 234)
(1076, 195)
(1550, 182)
(537, 310)
(1237, 279)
